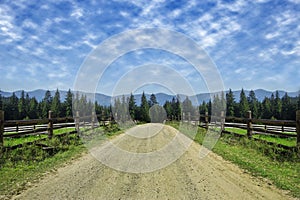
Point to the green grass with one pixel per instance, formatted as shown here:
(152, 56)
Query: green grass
(31, 138)
(280, 166)
(8, 142)
(23, 166)
(237, 130)
(290, 142)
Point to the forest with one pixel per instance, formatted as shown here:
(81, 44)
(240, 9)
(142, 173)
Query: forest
(25, 107)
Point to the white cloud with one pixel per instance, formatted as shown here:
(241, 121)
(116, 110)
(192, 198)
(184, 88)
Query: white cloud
(124, 14)
(77, 13)
(63, 47)
(7, 27)
(237, 6)
(272, 35)
(29, 24)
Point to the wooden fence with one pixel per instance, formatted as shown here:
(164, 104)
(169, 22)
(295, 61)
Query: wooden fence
(21, 128)
(280, 128)
(18, 128)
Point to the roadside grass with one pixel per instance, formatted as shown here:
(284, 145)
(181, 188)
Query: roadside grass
(24, 166)
(280, 166)
(290, 142)
(8, 142)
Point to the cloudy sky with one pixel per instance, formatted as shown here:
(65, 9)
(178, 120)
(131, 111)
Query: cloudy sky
(253, 43)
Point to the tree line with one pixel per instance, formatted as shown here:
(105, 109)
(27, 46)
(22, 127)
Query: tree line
(273, 107)
(124, 108)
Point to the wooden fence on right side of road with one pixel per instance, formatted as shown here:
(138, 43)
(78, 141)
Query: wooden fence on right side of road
(279, 128)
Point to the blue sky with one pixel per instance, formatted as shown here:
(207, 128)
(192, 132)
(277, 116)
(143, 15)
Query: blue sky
(254, 44)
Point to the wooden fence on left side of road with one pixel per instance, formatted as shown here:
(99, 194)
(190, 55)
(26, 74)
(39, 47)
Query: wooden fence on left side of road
(21, 128)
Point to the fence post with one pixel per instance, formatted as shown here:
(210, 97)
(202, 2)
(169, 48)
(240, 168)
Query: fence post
(249, 125)
(77, 122)
(1, 127)
(206, 120)
(222, 122)
(298, 127)
(50, 124)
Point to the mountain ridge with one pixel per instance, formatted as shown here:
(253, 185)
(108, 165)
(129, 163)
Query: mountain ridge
(161, 97)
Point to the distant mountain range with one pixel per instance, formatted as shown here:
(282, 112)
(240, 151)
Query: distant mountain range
(161, 97)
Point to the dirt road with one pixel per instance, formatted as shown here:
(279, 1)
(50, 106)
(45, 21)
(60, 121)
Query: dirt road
(189, 177)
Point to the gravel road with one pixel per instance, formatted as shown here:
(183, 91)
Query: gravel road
(188, 177)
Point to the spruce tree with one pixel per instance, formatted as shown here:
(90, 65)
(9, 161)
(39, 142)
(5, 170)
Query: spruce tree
(203, 108)
(132, 107)
(56, 105)
(253, 104)
(68, 103)
(278, 106)
(13, 111)
(287, 108)
(152, 100)
(144, 109)
(272, 101)
(33, 108)
(266, 108)
(168, 109)
(243, 106)
(22, 105)
(230, 103)
(46, 104)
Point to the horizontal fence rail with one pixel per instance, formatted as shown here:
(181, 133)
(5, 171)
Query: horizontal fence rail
(21, 128)
(280, 128)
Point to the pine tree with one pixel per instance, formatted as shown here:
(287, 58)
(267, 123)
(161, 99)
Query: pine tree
(278, 106)
(33, 108)
(203, 108)
(144, 110)
(266, 108)
(68, 103)
(176, 108)
(230, 104)
(153, 100)
(21, 106)
(27, 103)
(46, 104)
(272, 101)
(287, 108)
(168, 109)
(253, 104)
(56, 105)
(132, 107)
(13, 111)
(243, 106)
